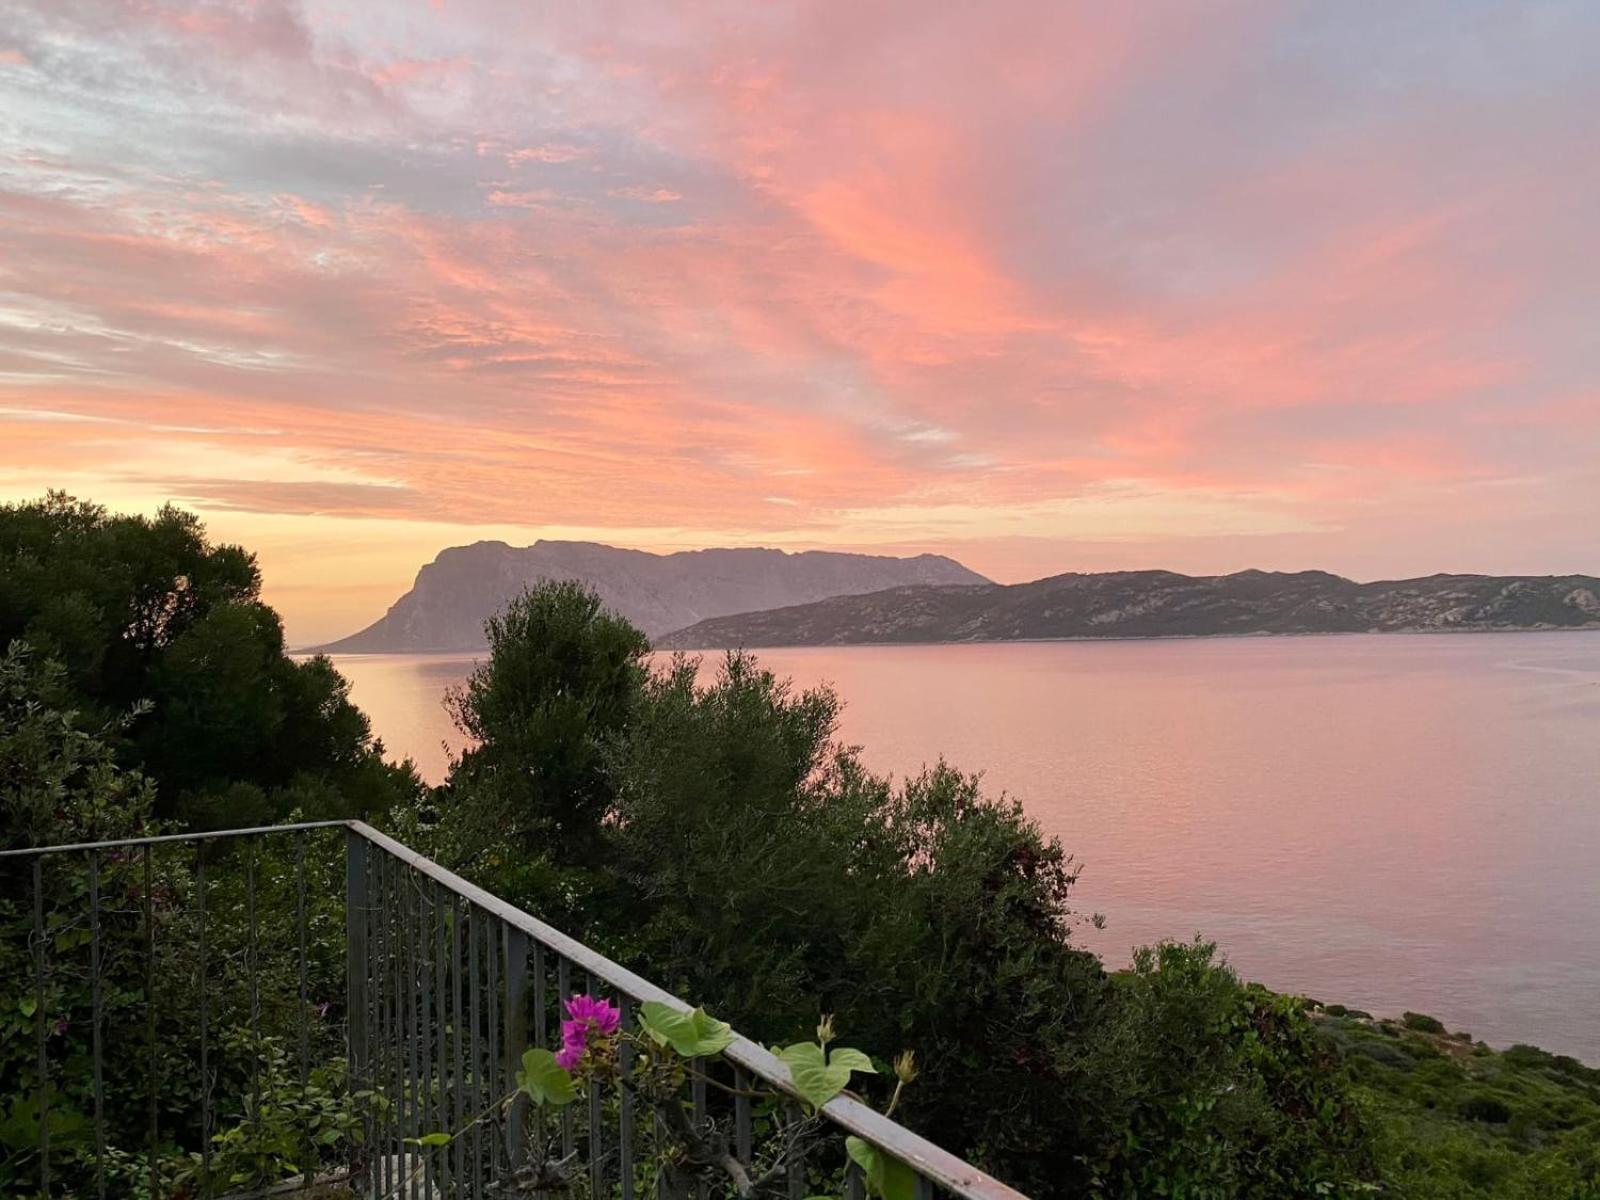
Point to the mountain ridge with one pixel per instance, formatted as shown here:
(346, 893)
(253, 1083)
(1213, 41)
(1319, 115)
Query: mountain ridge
(463, 586)
(1127, 604)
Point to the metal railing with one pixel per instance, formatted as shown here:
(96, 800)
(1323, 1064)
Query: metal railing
(431, 993)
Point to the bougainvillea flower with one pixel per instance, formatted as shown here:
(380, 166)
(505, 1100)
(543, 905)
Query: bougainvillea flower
(602, 1015)
(587, 1017)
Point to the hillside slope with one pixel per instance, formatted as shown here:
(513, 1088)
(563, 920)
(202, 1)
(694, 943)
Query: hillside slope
(1162, 604)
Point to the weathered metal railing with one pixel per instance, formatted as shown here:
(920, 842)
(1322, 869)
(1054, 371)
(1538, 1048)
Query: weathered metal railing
(432, 993)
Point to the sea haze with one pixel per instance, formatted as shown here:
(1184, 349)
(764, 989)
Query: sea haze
(1387, 821)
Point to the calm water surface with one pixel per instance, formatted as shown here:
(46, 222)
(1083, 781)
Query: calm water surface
(1395, 822)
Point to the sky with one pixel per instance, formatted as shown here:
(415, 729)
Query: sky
(1047, 286)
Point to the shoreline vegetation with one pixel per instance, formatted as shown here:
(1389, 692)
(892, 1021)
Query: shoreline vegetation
(717, 837)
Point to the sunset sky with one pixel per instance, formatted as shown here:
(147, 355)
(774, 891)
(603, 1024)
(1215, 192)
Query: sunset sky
(1046, 286)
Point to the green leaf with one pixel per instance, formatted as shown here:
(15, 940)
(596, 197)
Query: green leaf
(694, 1034)
(28, 1005)
(820, 1077)
(886, 1176)
(431, 1139)
(542, 1079)
(854, 1059)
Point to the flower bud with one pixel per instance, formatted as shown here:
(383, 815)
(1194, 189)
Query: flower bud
(905, 1067)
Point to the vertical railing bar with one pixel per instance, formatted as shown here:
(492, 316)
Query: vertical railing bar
(541, 996)
(741, 1115)
(854, 1183)
(372, 1015)
(424, 1032)
(625, 1129)
(516, 1038)
(394, 1029)
(697, 1093)
(96, 1034)
(40, 1021)
(205, 1022)
(923, 1187)
(414, 1125)
(310, 1150)
(541, 1034)
(474, 1050)
(357, 903)
(458, 1094)
(377, 1037)
(597, 1164)
(441, 1006)
(569, 1136)
(150, 1013)
(251, 965)
(491, 952)
(795, 1171)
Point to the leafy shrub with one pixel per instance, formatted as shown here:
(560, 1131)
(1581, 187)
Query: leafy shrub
(1486, 1107)
(1422, 1023)
(1386, 1053)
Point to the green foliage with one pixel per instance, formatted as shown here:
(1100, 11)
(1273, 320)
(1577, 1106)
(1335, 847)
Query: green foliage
(287, 1127)
(885, 1175)
(691, 1034)
(1210, 1087)
(1422, 1023)
(1452, 1121)
(543, 1081)
(560, 681)
(59, 781)
(145, 616)
(820, 1074)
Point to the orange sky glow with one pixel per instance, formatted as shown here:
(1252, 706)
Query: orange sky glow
(1045, 286)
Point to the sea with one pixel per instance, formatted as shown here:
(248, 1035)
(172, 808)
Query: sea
(1391, 822)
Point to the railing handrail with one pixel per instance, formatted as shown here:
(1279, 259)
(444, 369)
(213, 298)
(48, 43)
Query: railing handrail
(929, 1160)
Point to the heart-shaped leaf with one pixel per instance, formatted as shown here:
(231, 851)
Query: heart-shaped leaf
(694, 1034)
(542, 1079)
(819, 1076)
(429, 1139)
(886, 1176)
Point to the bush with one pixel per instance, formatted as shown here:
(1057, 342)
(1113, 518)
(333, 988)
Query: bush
(1385, 1053)
(1486, 1107)
(1422, 1023)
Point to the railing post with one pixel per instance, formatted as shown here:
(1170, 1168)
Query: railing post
(516, 1038)
(356, 963)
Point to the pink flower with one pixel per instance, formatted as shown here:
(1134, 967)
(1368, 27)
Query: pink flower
(603, 1015)
(588, 1017)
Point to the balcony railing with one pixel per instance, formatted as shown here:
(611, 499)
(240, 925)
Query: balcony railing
(193, 998)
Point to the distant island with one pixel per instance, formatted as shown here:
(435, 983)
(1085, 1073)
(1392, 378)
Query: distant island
(1127, 604)
(465, 585)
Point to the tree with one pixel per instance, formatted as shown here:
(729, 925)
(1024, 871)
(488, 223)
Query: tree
(145, 612)
(562, 680)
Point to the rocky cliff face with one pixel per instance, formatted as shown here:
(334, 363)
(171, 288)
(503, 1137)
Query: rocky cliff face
(1163, 604)
(455, 593)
